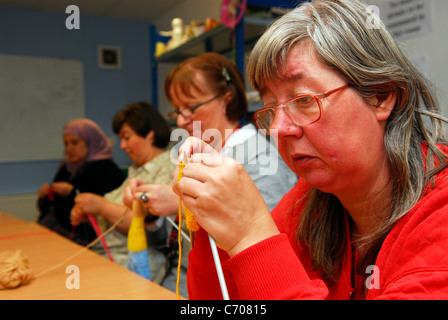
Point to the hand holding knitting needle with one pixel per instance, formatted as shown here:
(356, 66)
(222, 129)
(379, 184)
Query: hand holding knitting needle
(223, 198)
(193, 226)
(159, 199)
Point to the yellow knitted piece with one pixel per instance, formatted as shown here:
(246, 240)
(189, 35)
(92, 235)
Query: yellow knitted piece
(137, 235)
(190, 219)
(191, 224)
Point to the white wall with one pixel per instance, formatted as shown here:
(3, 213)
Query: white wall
(431, 48)
(23, 206)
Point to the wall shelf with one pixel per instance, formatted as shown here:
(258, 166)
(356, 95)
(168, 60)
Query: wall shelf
(217, 39)
(231, 43)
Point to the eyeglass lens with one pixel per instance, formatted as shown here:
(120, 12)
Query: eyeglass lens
(302, 110)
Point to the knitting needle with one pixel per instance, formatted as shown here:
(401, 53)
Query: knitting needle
(222, 281)
(177, 227)
(98, 233)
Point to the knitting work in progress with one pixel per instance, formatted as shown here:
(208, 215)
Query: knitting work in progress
(190, 222)
(193, 226)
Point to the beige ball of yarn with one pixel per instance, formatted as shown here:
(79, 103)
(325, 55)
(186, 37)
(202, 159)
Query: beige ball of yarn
(14, 269)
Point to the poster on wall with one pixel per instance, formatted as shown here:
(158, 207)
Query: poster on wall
(408, 18)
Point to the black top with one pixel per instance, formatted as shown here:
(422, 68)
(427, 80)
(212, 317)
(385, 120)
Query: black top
(97, 177)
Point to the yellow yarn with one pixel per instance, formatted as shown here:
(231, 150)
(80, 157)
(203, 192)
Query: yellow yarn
(137, 234)
(180, 249)
(14, 269)
(191, 224)
(190, 219)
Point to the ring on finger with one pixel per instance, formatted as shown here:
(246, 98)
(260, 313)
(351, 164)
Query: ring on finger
(144, 197)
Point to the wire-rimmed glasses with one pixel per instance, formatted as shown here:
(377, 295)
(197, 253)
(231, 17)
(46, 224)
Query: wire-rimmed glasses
(304, 109)
(189, 111)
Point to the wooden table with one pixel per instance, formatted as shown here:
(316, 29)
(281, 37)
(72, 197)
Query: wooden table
(99, 278)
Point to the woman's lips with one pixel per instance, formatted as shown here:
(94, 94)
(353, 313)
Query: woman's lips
(302, 160)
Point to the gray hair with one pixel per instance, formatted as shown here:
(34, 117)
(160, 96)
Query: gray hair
(374, 65)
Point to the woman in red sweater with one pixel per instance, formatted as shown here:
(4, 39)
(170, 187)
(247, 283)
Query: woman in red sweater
(368, 217)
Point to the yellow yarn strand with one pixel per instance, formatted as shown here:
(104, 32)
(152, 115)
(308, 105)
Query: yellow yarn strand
(120, 220)
(191, 224)
(180, 249)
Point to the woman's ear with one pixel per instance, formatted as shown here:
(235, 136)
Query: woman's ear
(150, 135)
(227, 98)
(384, 105)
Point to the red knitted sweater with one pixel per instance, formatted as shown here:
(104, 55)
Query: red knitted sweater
(412, 262)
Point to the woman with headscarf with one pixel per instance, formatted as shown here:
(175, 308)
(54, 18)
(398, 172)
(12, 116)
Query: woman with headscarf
(87, 166)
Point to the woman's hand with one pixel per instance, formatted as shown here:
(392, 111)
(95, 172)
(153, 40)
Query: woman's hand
(162, 201)
(86, 204)
(129, 192)
(43, 190)
(223, 198)
(62, 188)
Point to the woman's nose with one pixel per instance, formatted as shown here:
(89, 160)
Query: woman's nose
(281, 119)
(182, 121)
(283, 125)
(122, 144)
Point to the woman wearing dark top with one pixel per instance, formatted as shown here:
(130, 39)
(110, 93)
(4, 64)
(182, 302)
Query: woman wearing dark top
(87, 166)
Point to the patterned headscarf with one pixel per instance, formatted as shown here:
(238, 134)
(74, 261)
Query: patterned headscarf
(98, 145)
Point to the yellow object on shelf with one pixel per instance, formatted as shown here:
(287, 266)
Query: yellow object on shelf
(160, 48)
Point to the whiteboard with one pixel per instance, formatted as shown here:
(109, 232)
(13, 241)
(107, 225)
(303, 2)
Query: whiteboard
(37, 97)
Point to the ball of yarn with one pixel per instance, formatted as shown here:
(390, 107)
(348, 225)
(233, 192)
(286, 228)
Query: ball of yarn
(14, 269)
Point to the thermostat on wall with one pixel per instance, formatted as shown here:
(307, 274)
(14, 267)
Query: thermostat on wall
(109, 57)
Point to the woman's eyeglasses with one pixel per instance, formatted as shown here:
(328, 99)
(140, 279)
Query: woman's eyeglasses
(303, 110)
(189, 111)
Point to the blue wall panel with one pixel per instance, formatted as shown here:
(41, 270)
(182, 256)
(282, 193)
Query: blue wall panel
(43, 34)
